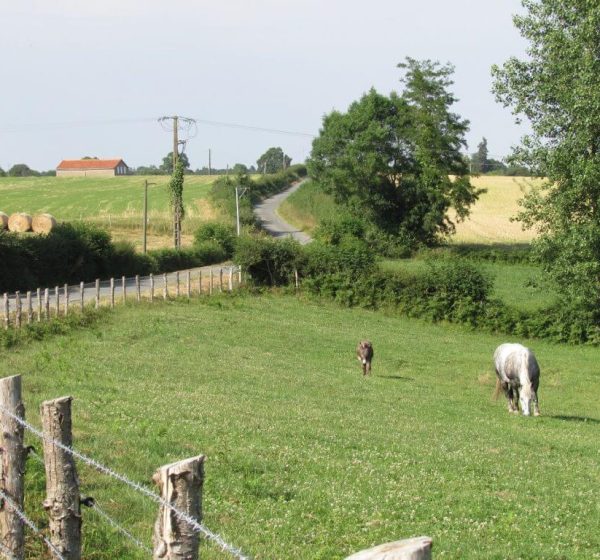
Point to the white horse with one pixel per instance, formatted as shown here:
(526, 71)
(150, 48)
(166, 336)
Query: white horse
(518, 376)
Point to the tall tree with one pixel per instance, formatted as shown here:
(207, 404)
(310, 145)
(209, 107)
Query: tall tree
(479, 160)
(167, 162)
(273, 160)
(388, 159)
(176, 199)
(557, 89)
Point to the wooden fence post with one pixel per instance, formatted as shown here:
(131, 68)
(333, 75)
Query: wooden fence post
(418, 548)
(97, 302)
(200, 281)
(81, 296)
(29, 308)
(138, 291)
(177, 284)
(231, 279)
(62, 484)
(57, 301)
(180, 484)
(124, 288)
(188, 286)
(221, 279)
(240, 275)
(6, 312)
(39, 304)
(210, 286)
(151, 287)
(112, 293)
(12, 465)
(18, 310)
(66, 292)
(165, 287)
(296, 279)
(47, 303)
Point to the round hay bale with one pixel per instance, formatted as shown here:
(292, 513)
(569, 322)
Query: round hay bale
(43, 223)
(19, 222)
(3, 221)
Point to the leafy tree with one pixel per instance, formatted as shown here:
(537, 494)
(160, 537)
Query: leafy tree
(21, 170)
(388, 159)
(273, 160)
(557, 89)
(167, 163)
(176, 199)
(479, 160)
(239, 168)
(2, 172)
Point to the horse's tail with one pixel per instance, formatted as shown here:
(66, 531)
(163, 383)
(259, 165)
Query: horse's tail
(497, 390)
(525, 375)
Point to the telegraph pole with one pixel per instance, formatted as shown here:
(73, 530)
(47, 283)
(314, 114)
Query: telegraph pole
(175, 141)
(209, 163)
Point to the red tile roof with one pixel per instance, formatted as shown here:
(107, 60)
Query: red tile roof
(73, 164)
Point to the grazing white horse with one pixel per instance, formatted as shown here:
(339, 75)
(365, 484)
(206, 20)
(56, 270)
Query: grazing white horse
(518, 376)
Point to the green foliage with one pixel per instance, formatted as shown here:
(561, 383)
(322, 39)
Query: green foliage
(273, 161)
(557, 89)
(388, 159)
(479, 160)
(218, 233)
(21, 170)
(167, 163)
(2, 172)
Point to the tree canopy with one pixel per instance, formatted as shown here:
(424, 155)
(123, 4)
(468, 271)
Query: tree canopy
(273, 160)
(21, 170)
(167, 163)
(389, 158)
(556, 87)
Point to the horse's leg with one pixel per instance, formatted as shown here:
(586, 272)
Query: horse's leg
(513, 399)
(508, 391)
(536, 406)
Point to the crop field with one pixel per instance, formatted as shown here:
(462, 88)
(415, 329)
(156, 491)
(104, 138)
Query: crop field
(489, 222)
(306, 459)
(115, 203)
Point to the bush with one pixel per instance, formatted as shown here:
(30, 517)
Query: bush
(217, 233)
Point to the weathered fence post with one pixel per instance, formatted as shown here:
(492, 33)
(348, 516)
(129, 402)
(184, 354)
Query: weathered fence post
(47, 303)
(231, 279)
(165, 288)
(151, 287)
(39, 304)
(180, 484)
(18, 309)
(112, 293)
(66, 292)
(124, 288)
(57, 300)
(81, 296)
(29, 308)
(210, 286)
(97, 302)
(62, 484)
(296, 279)
(138, 291)
(12, 465)
(177, 284)
(200, 281)
(6, 312)
(188, 286)
(240, 275)
(221, 279)
(418, 548)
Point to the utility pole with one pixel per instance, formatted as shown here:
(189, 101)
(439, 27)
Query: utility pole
(209, 163)
(238, 195)
(175, 141)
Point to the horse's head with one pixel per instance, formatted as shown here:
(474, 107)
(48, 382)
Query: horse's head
(526, 398)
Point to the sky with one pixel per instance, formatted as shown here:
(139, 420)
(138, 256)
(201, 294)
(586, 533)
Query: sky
(83, 78)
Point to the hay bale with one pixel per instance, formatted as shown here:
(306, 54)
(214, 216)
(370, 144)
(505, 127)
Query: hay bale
(43, 223)
(3, 221)
(19, 222)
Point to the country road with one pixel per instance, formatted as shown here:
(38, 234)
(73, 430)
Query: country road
(271, 221)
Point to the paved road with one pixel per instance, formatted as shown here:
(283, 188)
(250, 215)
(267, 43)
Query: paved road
(266, 212)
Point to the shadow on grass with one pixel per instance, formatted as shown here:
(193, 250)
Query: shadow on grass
(399, 377)
(583, 419)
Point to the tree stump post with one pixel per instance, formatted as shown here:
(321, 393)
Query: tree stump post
(12, 466)
(18, 310)
(57, 301)
(97, 297)
(188, 286)
(138, 290)
(81, 296)
(124, 288)
(66, 293)
(62, 483)
(39, 305)
(29, 308)
(112, 293)
(418, 548)
(151, 287)
(6, 312)
(180, 484)
(47, 303)
(165, 287)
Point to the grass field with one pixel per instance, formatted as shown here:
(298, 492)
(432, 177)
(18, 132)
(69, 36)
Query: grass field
(489, 222)
(115, 203)
(305, 458)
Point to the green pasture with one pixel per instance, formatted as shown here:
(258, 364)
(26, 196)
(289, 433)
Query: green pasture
(306, 459)
(115, 203)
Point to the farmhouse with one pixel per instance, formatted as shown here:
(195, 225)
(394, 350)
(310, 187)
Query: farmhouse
(91, 168)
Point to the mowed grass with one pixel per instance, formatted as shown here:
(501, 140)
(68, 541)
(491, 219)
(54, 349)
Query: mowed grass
(490, 220)
(518, 285)
(306, 459)
(115, 203)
